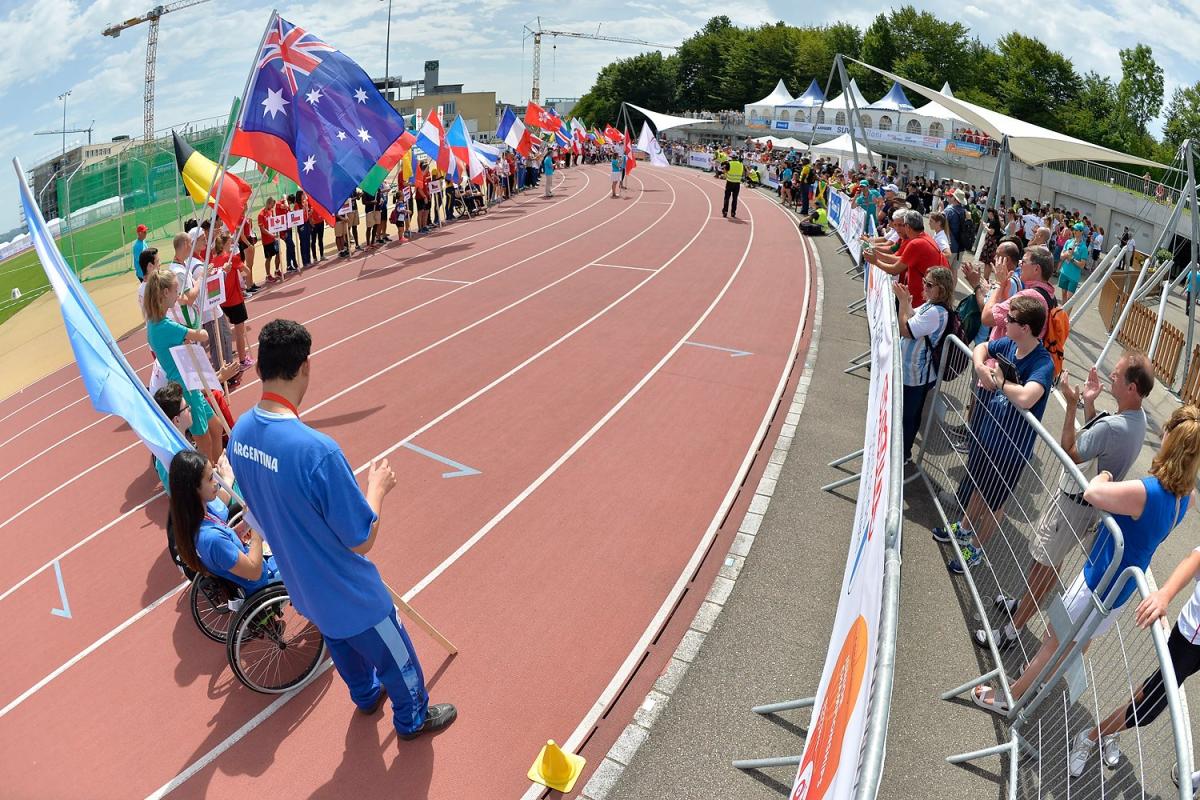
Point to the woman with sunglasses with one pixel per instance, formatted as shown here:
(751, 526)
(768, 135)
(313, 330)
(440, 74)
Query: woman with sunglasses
(921, 330)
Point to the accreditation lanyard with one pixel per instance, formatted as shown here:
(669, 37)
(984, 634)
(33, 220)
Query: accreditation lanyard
(271, 397)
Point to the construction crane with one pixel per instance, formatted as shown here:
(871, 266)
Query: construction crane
(88, 130)
(537, 48)
(152, 16)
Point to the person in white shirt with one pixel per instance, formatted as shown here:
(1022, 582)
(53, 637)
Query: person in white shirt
(1030, 223)
(1130, 246)
(937, 224)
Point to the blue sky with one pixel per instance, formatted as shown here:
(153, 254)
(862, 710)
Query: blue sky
(204, 52)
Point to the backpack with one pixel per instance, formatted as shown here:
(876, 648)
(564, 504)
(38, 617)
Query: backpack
(957, 361)
(970, 317)
(967, 231)
(1058, 328)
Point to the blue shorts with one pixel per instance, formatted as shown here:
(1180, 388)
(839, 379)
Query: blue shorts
(1068, 283)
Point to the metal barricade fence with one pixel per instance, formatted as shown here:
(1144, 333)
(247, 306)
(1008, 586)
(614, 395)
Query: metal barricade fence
(996, 468)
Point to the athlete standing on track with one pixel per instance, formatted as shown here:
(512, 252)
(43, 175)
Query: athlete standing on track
(320, 528)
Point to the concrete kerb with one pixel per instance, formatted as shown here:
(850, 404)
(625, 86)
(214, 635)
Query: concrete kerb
(619, 756)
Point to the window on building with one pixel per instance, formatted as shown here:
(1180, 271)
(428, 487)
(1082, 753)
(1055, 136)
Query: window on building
(840, 119)
(448, 109)
(865, 120)
(885, 123)
(821, 118)
(785, 115)
(913, 126)
(936, 129)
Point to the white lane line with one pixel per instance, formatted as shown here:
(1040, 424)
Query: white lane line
(622, 266)
(610, 692)
(41, 396)
(85, 652)
(445, 280)
(79, 544)
(540, 208)
(241, 732)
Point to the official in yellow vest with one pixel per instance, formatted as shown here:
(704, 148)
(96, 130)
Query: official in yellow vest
(733, 184)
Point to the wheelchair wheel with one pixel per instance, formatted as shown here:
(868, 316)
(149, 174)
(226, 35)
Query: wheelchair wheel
(272, 648)
(210, 600)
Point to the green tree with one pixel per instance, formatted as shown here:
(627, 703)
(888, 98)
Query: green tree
(647, 79)
(757, 61)
(701, 63)
(1140, 92)
(878, 50)
(1035, 81)
(1183, 118)
(1091, 115)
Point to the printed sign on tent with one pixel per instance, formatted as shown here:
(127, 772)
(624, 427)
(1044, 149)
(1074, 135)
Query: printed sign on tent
(194, 371)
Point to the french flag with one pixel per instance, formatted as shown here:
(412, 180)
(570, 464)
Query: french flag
(514, 134)
(432, 138)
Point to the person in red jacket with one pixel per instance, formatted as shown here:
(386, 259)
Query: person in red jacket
(270, 245)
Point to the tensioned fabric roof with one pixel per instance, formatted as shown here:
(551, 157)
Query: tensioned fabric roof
(664, 122)
(812, 97)
(1030, 143)
(894, 100)
(778, 97)
(934, 109)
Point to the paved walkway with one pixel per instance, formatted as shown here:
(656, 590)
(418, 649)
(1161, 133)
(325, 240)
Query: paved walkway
(769, 642)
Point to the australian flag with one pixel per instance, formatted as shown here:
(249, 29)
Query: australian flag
(314, 115)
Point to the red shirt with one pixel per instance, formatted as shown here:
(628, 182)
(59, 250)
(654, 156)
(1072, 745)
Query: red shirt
(233, 279)
(266, 236)
(920, 254)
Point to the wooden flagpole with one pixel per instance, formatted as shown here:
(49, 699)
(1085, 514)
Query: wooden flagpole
(418, 620)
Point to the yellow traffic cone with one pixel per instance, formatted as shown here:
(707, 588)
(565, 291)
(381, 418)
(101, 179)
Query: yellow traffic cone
(557, 769)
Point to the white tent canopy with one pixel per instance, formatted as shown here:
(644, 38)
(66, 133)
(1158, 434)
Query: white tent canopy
(1031, 143)
(842, 101)
(664, 122)
(766, 107)
(788, 143)
(842, 148)
(812, 97)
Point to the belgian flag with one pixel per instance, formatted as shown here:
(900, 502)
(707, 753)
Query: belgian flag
(203, 178)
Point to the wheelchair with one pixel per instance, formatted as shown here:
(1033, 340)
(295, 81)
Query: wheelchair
(271, 647)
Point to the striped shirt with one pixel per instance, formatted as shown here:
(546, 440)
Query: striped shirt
(929, 320)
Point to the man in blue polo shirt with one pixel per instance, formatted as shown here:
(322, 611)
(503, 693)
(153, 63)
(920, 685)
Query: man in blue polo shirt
(320, 527)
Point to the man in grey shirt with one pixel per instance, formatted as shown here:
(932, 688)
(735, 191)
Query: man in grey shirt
(1108, 442)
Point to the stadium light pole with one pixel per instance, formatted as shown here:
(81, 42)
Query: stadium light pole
(64, 97)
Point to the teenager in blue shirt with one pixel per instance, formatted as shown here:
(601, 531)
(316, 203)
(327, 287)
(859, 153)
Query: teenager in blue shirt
(320, 527)
(1001, 441)
(548, 171)
(203, 537)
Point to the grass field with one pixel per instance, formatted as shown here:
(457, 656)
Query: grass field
(96, 251)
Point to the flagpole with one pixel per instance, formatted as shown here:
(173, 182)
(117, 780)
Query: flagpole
(222, 171)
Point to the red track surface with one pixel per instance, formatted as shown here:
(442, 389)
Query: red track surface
(519, 344)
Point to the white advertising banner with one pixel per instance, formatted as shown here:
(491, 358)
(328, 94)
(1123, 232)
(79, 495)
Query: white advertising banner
(701, 160)
(849, 221)
(829, 766)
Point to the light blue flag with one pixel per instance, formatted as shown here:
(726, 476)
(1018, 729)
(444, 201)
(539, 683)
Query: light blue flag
(111, 383)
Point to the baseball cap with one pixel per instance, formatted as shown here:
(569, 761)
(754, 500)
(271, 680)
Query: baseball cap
(891, 187)
(142, 228)
(864, 182)
(1079, 226)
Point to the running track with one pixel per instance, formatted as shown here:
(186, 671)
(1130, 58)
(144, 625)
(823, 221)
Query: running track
(551, 345)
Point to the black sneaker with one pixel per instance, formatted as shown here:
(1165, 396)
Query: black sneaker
(437, 717)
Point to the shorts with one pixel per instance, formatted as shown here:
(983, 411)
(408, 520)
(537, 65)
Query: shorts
(270, 249)
(1068, 283)
(1080, 602)
(372, 219)
(1066, 524)
(339, 228)
(424, 204)
(236, 313)
(352, 218)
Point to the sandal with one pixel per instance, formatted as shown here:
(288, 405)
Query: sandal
(980, 696)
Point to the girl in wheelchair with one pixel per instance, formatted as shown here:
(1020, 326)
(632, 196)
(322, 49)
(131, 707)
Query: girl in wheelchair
(203, 537)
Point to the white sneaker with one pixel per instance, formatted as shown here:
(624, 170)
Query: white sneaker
(1110, 750)
(1081, 753)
